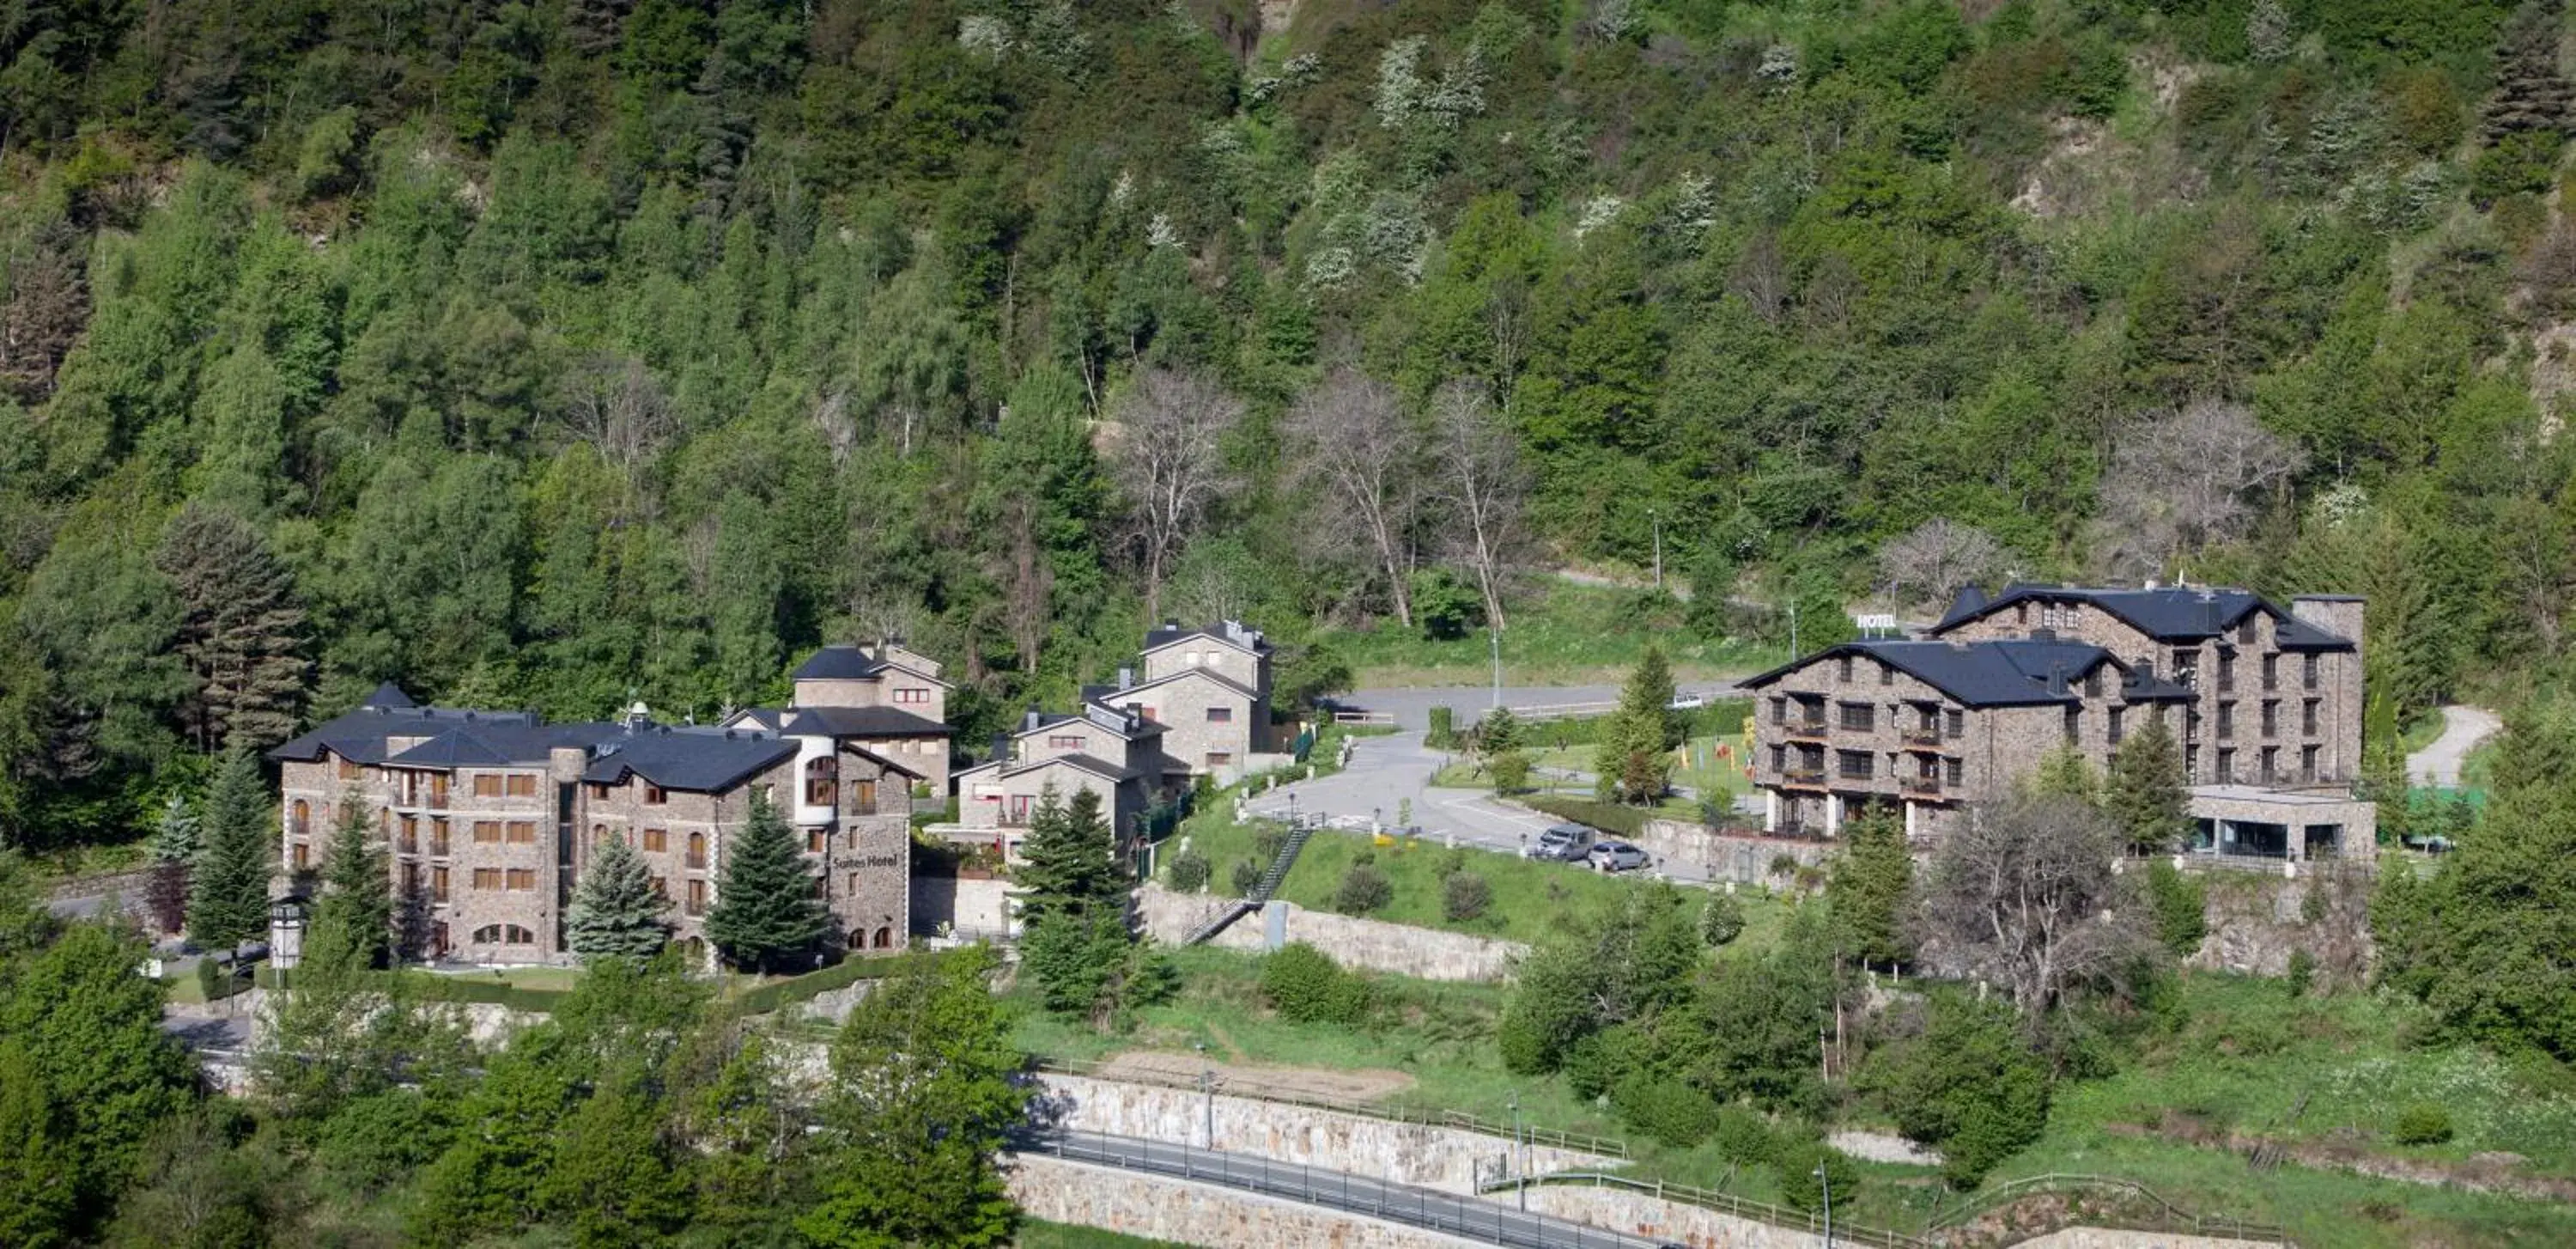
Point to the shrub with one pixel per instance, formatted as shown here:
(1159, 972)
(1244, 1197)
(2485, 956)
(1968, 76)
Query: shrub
(1464, 896)
(2301, 974)
(1604, 1060)
(1245, 877)
(1967, 1086)
(1721, 921)
(1363, 889)
(1671, 1112)
(1743, 1137)
(1511, 772)
(210, 979)
(2422, 1124)
(1627, 822)
(1267, 843)
(1306, 986)
(1444, 729)
(1190, 872)
(1783, 864)
(1797, 1163)
(2519, 163)
(2180, 905)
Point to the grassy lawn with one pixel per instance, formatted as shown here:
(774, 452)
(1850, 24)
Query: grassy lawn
(71, 862)
(1037, 1234)
(1529, 901)
(1571, 635)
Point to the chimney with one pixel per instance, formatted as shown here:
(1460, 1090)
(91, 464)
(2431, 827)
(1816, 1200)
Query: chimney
(1126, 677)
(637, 716)
(2339, 614)
(1001, 746)
(1029, 722)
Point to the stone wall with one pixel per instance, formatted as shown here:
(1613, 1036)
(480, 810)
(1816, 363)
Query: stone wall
(2257, 919)
(1159, 1208)
(964, 904)
(2107, 1238)
(1363, 944)
(1727, 857)
(1637, 1214)
(1445, 1159)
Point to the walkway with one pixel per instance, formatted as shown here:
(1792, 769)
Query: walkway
(2463, 728)
(1465, 1217)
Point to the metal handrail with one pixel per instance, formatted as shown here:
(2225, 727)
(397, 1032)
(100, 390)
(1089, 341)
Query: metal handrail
(1723, 1203)
(1602, 1146)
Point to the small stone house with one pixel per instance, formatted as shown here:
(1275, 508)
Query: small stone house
(1112, 752)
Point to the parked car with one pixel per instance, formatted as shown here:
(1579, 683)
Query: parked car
(1563, 843)
(1687, 701)
(1618, 856)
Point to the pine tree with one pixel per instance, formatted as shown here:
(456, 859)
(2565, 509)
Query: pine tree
(1070, 869)
(175, 836)
(615, 911)
(765, 905)
(2144, 790)
(2064, 773)
(2531, 93)
(228, 896)
(176, 839)
(357, 889)
(241, 631)
(1633, 759)
(1869, 886)
(1077, 945)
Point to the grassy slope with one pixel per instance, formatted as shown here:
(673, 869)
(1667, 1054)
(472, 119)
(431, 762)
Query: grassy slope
(1567, 635)
(1035, 1234)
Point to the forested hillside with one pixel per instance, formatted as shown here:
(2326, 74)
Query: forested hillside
(565, 353)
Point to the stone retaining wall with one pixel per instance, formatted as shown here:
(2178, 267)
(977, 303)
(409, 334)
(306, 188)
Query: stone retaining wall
(1640, 1215)
(1160, 1208)
(1445, 1159)
(1727, 856)
(1363, 944)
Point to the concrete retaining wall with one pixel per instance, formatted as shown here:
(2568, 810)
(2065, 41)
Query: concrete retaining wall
(1744, 860)
(1425, 1157)
(1364, 944)
(965, 905)
(1660, 1221)
(1061, 1191)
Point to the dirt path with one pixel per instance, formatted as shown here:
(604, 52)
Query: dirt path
(1155, 1067)
(2462, 729)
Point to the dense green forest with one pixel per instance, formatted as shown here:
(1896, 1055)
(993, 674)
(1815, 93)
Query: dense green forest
(563, 353)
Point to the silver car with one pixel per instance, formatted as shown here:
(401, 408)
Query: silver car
(1618, 856)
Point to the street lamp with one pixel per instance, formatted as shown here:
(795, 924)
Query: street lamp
(286, 920)
(1207, 1085)
(1828, 1182)
(1658, 519)
(1520, 1170)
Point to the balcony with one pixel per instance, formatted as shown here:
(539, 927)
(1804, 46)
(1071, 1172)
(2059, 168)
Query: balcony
(1920, 786)
(1802, 777)
(1812, 726)
(1921, 737)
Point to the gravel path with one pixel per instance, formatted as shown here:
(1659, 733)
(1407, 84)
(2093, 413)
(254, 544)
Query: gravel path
(2462, 729)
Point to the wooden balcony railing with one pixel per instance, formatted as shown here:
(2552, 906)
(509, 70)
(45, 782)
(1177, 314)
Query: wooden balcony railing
(1927, 737)
(1920, 786)
(1806, 777)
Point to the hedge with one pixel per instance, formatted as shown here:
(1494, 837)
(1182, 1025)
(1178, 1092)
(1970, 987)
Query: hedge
(777, 994)
(1629, 822)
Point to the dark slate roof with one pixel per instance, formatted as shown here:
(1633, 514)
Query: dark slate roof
(705, 760)
(1113, 719)
(1107, 693)
(390, 697)
(839, 663)
(1088, 763)
(1231, 632)
(361, 735)
(1971, 597)
(2016, 672)
(2165, 613)
(861, 722)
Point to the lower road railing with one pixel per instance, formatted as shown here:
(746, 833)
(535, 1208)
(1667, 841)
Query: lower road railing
(1446, 1213)
(1722, 1203)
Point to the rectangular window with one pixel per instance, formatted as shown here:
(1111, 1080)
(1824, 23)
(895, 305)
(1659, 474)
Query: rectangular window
(2186, 667)
(1779, 760)
(814, 841)
(1951, 769)
(2308, 671)
(1954, 723)
(2271, 718)
(2308, 717)
(2271, 672)
(821, 791)
(657, 840)
(1859, 717)
(2227, 767)
(523, 833)
(408, 834)
(2190, 763)
(697, 897)
(2226, 721)
(1779, 710)
(438, 884)
(653, 795)
(1220, 758)
(410, 879)
(2093, 682)
(2271, 764)
(523, 879)
(1886, 674)
(349, 769)
(1220, 715)
(863, 797)
(438, 834)
(2021, 613)
(303, 856)
(661, 886)
(2074, 725)
(2226, 672)
(1064, 741)
(2191, 722)
(1843, 669)
(1855, 765)
(2245, 630)
(909, 697)
(598, 792)
(523, 784)
(2308, 764)
(487, 785)
(2111, 729)
(487, 832)
(487, 878)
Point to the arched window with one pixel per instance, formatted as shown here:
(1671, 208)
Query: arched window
(697, 849)
(598, 835)
(503, 934)
(885, 939)
(301, 822)
(821, 777)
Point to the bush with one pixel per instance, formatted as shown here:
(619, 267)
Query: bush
(1743, 1138)
(1629, 822)
(1444, 729)
(2422, 1124)
(210, 979)
(1721, 921)
(1363, 889)
(1190, 872)
(1245, 877)
(1464, 896)
(2301, 974)
(1511, 771)
(1671, 1112)
(1306, 986)
(2521, 163)
(2180, 905)
(1783, 864)
(1967, 1086)
(1267, 843)
(1797, 1163)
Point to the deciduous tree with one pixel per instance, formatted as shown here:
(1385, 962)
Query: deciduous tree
(2023, 894)
(1351, 443)
(1169, 463)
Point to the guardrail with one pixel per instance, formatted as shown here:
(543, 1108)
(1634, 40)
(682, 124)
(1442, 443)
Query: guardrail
(1563, 711)
(1445, 1213)
(1385, 718)
(1722, 1203)
(1577, 1142)
(2165, 1215)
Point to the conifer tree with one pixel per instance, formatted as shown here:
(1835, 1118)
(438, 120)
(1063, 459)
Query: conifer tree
(1869, 886)
(1070, 869)
(176, 839)
(2143, 791)
(1632, 760)
(241, 631)
(228, 898)
(765, 905)
(1078, 945)
(2064, 773)
(616, 912)
(176, 836)
(357, 889)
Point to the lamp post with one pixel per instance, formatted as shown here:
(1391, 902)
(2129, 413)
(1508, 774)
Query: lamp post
(286, 919)
(1658, 520)
(1828, 1182)
(1520, 1178)
(1495, 636)
(1207, 1086)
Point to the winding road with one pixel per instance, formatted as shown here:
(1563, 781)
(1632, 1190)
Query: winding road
(2439, 764)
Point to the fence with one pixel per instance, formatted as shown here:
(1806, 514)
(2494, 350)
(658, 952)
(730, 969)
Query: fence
(1253, 1090)
(1340, 1190)
(1727, 1204)
(2162, 1215)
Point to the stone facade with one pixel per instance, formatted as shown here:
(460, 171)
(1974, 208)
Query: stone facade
(1210, 726)
(1113, 754)
(1366, 944)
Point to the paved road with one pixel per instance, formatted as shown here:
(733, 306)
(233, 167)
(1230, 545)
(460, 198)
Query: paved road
(2462, 729)
(1411, 706)
(1385, 772)
(1465, 1217)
